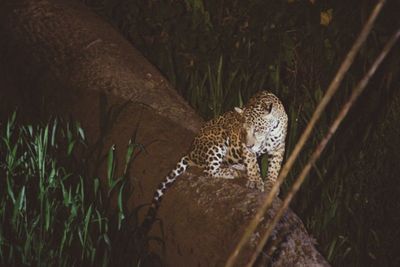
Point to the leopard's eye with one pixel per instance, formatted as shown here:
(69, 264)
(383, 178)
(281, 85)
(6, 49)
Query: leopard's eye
(267, 107)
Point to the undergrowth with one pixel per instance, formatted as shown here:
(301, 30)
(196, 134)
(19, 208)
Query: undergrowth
(52, 213)
(219, 53)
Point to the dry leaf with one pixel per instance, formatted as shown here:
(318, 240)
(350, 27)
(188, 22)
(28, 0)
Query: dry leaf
(326, 17)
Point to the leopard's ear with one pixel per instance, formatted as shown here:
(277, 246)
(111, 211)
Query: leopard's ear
(239, 110)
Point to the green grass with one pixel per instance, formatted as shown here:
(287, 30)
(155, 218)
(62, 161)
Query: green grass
(52, 213)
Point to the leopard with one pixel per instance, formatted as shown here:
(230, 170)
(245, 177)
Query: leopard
(230, 144)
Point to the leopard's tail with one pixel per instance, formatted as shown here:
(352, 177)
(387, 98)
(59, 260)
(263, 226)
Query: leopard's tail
(180, 168)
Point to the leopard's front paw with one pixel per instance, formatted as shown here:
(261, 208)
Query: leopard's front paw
(258, 183)
(226, 173)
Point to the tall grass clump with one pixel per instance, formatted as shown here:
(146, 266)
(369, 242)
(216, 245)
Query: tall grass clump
(51, 213)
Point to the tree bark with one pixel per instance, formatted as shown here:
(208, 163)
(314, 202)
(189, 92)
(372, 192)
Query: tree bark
(56, 57)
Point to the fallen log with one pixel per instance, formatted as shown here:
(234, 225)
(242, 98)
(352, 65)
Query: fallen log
(57, 57)
(206, 231)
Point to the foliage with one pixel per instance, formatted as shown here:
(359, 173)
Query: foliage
(51, 212)
(218, 53)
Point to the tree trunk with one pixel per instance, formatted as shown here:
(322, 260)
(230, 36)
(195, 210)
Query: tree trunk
(56, 57)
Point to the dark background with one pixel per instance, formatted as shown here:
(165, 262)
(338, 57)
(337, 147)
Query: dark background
(219, 53)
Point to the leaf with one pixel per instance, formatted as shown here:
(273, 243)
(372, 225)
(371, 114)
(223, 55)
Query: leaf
(53, 134)
(10, 190)
(70, 148)
(48, 213)
(326, 17)
(110, 165)
(128, 157)
(81, 132)
(18, 205)
(87, 220)
(121, 215)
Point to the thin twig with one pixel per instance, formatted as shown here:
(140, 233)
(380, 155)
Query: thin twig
(334, 85)
(321, 146)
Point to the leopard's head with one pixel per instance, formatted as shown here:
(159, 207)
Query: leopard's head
(250, 137)
(262, 114)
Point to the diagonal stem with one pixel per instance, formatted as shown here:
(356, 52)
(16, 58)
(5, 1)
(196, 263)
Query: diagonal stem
(321, 146)
(334, 85)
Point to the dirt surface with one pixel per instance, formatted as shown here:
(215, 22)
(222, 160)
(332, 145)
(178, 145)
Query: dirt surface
(56, 57)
